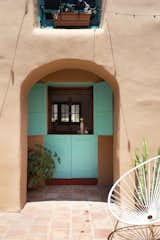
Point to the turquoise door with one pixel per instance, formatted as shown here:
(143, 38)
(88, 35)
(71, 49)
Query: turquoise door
(62, 145)
(78, 155)
(84, 156)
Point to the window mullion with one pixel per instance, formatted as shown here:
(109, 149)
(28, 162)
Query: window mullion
(70, 113)
(59, 112)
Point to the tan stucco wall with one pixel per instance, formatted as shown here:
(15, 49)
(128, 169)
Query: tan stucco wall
(105, 161)
(41, 52)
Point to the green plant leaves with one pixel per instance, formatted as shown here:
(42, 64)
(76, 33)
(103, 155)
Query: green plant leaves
(142, 156)
(41, 164)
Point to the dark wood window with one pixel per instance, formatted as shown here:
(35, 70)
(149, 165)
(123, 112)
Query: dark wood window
(66, 109)
(65, 113)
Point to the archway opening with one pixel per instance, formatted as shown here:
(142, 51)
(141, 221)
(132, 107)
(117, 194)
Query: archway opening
(88, 156)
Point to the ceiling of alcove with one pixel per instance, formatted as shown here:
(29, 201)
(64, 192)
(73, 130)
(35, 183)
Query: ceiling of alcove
(71, 75)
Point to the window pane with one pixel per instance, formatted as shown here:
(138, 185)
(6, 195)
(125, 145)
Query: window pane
(77, 108)
(54, 116)
(64, 113)
(75, 113)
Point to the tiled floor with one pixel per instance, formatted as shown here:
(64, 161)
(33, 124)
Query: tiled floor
(69, 193)
(65, 213)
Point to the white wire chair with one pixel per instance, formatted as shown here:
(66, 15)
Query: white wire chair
(134, 199)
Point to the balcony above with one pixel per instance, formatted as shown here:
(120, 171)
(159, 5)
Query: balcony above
(69, 13)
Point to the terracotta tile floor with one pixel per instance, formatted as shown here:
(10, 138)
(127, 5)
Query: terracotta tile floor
(60, 213)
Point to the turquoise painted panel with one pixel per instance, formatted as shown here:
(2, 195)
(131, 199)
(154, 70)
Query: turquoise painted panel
(103, 113)
(102, 97)
(37, 98)
(62, 145)
(36, 123)
(104, 123)
(37, 110)
(84, 156)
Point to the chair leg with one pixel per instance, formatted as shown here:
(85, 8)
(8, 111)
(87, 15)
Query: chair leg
(114, 230)
(116, 225)
(152, 232)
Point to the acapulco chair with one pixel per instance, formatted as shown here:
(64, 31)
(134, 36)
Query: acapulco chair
(134, 200)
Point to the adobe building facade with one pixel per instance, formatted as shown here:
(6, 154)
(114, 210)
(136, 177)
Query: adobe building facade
(42, 52)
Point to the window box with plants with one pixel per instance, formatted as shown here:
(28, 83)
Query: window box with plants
(76, 15)
(69, 19)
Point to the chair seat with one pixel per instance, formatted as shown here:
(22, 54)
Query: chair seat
(135, 217)
(134, 199)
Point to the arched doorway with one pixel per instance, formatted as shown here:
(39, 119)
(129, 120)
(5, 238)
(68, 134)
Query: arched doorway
(55, 71)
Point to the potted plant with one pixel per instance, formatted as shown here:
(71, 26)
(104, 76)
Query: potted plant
(41, 164)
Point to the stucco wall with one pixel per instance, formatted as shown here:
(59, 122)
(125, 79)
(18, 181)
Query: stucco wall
(136, 47)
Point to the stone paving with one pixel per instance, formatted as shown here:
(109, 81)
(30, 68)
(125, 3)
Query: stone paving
(60, 213)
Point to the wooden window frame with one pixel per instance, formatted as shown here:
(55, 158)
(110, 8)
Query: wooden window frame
(70, 115)
(77, 95)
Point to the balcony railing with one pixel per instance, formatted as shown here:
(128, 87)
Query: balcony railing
(69, 13)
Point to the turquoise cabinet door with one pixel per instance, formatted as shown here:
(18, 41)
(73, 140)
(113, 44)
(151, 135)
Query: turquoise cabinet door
(37, 110)
(62, 145)
(78, 155)
(103, 109)
(84, 156)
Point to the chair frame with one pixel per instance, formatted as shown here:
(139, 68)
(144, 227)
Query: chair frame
(149, 222)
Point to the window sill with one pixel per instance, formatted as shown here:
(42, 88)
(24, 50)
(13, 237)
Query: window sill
(70, 134)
